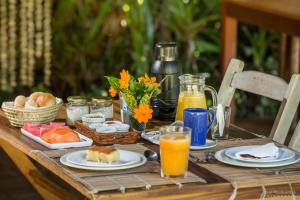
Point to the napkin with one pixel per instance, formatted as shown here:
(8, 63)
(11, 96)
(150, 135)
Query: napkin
(269, 150)
(220, 118)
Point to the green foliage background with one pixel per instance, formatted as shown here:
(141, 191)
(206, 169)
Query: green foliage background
(93, 38)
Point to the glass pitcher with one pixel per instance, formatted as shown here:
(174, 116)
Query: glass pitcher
(192, 93)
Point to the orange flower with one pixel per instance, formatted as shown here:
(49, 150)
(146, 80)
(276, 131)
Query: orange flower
(112, 91)
(124, 84)
(147, 80)
(143, 113)
(140, 78)
(125, 78)
(153, 79)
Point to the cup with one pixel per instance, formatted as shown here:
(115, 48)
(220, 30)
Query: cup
(198, 120)
(215, 130)
(174, 150)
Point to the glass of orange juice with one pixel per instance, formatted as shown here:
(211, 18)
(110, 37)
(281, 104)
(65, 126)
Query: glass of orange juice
(174, 150)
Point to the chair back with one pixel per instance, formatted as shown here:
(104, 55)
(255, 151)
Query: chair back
(264, 85)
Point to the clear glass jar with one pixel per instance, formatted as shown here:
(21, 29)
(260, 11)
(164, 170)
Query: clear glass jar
(77, 106)
(102, 105)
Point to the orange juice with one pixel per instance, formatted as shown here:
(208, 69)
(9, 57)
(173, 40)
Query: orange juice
(189, 100)
(174, 152)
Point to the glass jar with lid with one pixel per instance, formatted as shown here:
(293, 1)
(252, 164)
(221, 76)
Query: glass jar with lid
(102, 105)
(77, 106)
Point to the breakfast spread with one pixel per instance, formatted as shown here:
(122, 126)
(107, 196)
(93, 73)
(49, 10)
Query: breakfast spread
(60, 135)
(104, 154)
(35, 100)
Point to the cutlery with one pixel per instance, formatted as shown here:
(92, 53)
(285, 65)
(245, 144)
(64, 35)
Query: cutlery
(152, 155)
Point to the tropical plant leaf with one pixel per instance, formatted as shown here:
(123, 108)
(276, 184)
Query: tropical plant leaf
(145, 99)
(114, 82)
(151, 88)
(133, 85)
(130, 100)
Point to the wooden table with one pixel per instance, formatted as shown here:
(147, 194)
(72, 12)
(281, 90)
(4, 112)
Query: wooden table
(59, 185)
(280, 15)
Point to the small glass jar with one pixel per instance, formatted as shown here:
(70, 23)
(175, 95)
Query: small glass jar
(77, 106)
(102, 105)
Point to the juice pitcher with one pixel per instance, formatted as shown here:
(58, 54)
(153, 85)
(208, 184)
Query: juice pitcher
(192, 93)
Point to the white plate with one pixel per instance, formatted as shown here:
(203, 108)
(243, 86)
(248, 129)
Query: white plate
(284, 154)
(209, 144)
(142, 161)
(220, 156)
(126, 158)
(84, 141)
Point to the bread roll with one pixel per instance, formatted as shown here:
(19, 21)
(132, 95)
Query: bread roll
(20, 101)
(35, 95)
(45, 100)
(30, 104)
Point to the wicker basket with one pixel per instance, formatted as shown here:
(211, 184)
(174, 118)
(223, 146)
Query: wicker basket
(107, 139)
(17, 116)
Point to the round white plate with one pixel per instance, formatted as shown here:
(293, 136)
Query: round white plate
(284, 154)
(126, 158)
(142, 161)
(208, 144)
(220, 156)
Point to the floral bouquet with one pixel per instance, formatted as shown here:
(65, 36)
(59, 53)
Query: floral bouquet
(137, 94)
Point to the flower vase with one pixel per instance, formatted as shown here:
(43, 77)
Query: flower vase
(134, 124)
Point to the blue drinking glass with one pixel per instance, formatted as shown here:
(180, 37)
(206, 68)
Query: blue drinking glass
(198, 120)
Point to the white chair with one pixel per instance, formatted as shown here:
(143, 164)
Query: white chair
(265, 85)
(295, 140)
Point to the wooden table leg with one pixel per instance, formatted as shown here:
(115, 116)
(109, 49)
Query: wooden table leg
(46, 188)
(229, 39)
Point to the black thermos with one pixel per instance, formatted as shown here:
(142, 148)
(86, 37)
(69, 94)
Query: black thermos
(166, 64)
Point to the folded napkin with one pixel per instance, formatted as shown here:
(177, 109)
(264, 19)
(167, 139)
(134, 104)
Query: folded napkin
(269, 150)
(220, 119)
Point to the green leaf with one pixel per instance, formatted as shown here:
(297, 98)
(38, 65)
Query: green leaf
(151, 88)
(156, 92)
(130, 100)
(114, 82)
(132, 85)
(145, 99)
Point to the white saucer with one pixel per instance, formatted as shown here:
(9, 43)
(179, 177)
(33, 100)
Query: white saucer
(209, 144)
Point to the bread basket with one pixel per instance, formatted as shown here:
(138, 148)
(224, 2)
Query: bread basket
(17, 116)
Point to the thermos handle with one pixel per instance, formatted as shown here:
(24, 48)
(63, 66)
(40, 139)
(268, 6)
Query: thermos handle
(213, 93)
(213, 116)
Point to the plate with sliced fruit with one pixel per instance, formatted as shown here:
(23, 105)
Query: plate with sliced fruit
(55, 135)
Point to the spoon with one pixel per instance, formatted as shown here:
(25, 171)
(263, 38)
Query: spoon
(151, 155)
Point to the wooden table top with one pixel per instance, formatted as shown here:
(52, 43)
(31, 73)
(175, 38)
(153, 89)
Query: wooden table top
(217, 188)
(279, 15)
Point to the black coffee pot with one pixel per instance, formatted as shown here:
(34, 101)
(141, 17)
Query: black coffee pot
(166, 66)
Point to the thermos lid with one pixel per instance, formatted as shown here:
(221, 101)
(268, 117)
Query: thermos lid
(166, 51)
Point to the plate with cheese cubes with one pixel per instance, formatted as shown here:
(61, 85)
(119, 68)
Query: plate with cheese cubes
(103, 158)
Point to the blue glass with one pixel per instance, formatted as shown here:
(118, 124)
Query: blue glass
(198, 120)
